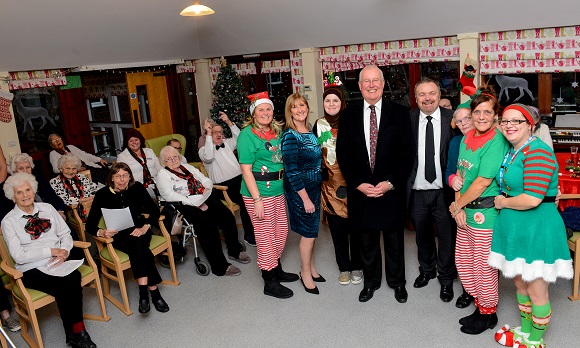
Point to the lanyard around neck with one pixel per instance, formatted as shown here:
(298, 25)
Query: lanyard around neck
(504, 163)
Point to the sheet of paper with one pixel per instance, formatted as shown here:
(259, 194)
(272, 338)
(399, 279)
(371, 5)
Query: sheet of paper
(118, 219)
(63, 269)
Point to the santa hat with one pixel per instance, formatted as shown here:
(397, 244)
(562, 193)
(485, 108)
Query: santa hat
(524, 109)
(257, 99)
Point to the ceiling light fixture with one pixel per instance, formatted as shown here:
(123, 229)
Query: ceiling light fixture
(197, 10)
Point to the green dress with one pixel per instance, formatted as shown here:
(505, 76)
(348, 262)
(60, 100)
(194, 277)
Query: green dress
(531, 243)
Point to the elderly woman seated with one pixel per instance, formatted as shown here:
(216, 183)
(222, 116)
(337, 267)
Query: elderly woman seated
(71, 186)
(23, 163)
(37, 236)
(122, 191)
(193, 196)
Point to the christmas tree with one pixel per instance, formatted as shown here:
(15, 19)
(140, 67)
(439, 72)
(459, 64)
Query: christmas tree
(229, 96)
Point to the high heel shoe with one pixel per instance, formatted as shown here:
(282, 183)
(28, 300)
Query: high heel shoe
(319, 279)
(308, 290)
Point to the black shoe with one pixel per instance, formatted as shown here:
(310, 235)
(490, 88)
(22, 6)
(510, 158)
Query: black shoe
(470, 318)
(319, 279)
(308, 290)
(480, 324)
(401, 294)
(464, 300)
(423, 279)
(446, 293)
(161, 305)
(366, 294)
(275, 289)
(80, 340)
(144, 306)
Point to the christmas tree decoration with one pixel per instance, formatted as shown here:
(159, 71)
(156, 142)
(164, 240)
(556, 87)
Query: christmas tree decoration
(331, 79)
(465, 83)
(229, 96)
(5, 101)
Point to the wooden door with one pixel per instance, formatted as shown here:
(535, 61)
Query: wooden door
(149, 103)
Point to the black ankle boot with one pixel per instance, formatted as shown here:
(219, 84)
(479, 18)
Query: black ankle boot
(144, 306)
(272, 286)
(470, 318)
(285, 277)
(480, 324)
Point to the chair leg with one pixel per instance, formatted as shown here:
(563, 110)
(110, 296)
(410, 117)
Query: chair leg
(37, 340)
(103, 316)
(169, 253)
(575, 295)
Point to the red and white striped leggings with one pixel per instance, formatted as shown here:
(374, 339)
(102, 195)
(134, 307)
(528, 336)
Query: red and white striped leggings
(270, 232)
(479, 279)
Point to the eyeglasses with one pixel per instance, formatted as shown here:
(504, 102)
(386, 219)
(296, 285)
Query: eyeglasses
(512, 122)
(55, 140)
(172, 159)
(123, 176)
(374, 81)
(462, 121)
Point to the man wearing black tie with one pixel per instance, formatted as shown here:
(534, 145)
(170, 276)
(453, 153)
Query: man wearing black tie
(375, 153)
(427, 203)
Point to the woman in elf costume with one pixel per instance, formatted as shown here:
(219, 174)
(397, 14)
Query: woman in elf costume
(346, 244)
(537, 254)
(262, 189)
(480, 156)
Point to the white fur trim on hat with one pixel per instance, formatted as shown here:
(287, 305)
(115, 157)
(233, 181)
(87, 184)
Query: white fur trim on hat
(258, 102)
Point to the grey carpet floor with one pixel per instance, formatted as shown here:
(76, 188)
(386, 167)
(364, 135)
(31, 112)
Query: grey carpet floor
(233, 312)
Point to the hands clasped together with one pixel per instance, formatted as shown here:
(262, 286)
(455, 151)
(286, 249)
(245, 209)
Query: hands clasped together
(375, 191)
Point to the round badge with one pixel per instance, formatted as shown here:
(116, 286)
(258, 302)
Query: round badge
(479, 218)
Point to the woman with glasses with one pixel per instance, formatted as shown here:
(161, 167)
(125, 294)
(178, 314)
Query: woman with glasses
(537, 254)
(193, 195)
(480, 155)
(122, 191)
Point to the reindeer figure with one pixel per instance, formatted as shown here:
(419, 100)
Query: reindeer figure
(28, 114)
(507, 82)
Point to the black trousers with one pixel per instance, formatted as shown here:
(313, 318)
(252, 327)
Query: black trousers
(66, 290)
(234, 185)
(346, 243)
(206, 225)
(140, 256)
(428, 209)
(394, 245)
(4, 295)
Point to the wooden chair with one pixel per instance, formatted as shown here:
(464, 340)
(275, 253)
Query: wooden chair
(76, 221)
(118, 261)
(574, 245)
(227, 201)
(27, 301)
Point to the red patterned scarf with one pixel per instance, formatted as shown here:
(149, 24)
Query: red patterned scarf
(35, 226)
(74, 188)
(195, 186)
(147, 179)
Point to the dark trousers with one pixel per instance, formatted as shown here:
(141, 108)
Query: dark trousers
(234, 185)
(346, 243)
(394, 245)
(4, 295)
(66, 290)
(206, 225)
(140, 256)
(99, 174)
(428, 209)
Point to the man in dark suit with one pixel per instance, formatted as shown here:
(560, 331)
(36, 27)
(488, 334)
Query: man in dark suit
(375, 152)
(429, 196)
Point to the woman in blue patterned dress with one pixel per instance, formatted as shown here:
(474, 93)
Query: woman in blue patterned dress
(302, 180)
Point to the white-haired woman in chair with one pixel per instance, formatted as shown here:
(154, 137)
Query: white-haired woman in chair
(71, 186)
(122, 191)
(37, 236)
(192, 191)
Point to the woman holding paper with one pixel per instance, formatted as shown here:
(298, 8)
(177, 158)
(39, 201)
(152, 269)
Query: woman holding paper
(122, 191)
(36, 237)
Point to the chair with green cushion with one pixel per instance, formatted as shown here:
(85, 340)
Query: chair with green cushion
(156, 144)
(27, 301)
(118, 261)
(574, 245)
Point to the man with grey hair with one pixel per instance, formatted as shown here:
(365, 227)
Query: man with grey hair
(375, 151)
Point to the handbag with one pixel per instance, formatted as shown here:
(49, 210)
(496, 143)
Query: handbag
(173, 219)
